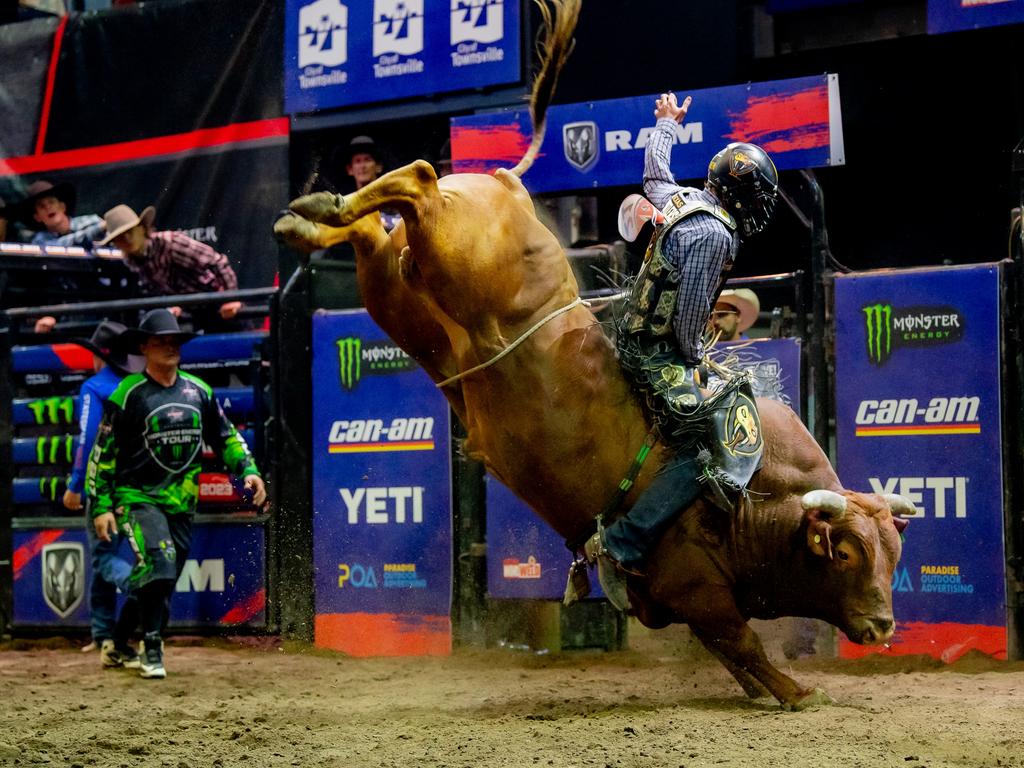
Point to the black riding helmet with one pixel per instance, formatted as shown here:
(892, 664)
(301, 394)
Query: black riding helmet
(745, 181)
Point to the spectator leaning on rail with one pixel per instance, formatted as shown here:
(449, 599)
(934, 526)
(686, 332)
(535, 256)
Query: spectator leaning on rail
(662, 324)
(109, 571)
(168, 262)
(144, 468)
(50, 207)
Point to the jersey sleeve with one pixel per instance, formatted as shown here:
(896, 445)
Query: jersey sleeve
(99, 478)
(90, 406)
(223, 438)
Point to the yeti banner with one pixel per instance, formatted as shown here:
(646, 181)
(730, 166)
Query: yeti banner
(340, 54)
(381, 494)
(918, 414)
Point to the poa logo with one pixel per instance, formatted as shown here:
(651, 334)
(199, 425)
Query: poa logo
(63, 577)
(477, 21)
(323, 34)
(888, 328)
(579, 141)
(742, 428)
(397, 27)
(374, 358)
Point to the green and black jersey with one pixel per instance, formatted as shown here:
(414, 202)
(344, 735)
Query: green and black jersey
(149, 446)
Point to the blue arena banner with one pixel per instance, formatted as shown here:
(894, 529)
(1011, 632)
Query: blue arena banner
(339, 54)
(382, 503)
(527, 560)
(223, 582)
(956, 15)
(601, 143)
(918, 413)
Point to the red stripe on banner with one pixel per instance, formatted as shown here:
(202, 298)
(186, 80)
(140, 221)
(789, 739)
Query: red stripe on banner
(125, 151)
(383, 634)
(785, 122)
(247, 609)
(51, 79)
(24, 554)
(73, 357)
(480, 150)
(945, 641)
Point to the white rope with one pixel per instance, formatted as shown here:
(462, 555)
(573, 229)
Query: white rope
(533, 329)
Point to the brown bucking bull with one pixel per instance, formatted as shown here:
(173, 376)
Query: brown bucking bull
(480, 293)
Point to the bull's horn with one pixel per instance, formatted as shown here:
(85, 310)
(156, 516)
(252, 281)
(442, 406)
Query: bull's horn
(900, 505)
(826, 501)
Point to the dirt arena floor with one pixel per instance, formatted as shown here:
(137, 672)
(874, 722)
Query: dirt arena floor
(260, 702)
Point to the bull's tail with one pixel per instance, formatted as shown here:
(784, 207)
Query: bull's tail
(560, 18)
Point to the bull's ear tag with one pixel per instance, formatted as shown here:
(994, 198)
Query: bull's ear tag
(635, 211)
(817, 539)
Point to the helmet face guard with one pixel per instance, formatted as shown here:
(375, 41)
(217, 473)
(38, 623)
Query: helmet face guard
(745, 181)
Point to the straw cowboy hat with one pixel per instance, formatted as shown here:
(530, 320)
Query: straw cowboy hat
(156, 322)
(107, 343)
(121, 218)
(745, 302)
(25, 208)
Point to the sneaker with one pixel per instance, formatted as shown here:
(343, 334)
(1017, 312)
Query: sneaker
(113, 655)
(151, 661)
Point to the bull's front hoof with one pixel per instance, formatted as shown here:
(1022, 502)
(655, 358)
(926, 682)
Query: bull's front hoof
(324, 207)
(298, 233)
(815, 698)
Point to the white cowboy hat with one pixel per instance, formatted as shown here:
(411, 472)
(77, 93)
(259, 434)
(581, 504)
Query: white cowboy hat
(745, 302)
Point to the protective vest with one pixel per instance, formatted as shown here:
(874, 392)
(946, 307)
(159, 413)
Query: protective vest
(652, 303)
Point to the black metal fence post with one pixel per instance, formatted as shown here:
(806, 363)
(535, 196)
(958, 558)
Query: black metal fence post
(6, 477)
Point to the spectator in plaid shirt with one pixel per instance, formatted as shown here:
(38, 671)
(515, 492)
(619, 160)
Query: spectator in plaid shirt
(169, 262)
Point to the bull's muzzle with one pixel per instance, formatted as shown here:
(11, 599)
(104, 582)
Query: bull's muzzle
(871, 630)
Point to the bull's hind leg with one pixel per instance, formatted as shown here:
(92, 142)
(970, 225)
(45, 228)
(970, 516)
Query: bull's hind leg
(405, 189)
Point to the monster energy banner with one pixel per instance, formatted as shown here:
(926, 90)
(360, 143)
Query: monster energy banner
(381, 494)
(918, 413)
(223, 582)
(528, 560)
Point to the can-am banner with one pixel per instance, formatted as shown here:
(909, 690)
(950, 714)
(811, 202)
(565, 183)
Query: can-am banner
(601, 143)
(340, 54)
(918, 414)
(956, 15)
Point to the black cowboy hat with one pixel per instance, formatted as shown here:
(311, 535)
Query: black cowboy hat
(156, 322)
(107, 343)
(359, 145)
(25, 209)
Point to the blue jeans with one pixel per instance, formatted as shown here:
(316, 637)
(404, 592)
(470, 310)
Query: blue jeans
(674, 488)
(109, 574)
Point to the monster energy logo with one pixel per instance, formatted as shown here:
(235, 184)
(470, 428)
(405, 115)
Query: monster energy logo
(878, 318)
(53, 410)
(888, 329)
(48, 449)
(372, 358)
(49, 488)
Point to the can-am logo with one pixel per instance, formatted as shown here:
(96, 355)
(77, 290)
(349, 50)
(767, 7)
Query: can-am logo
(357, 358)
(888, 328)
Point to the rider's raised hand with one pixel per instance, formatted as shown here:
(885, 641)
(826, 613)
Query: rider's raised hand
(667, 106)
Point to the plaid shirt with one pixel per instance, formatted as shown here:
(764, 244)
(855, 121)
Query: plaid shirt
(700, 246)
(174, 263)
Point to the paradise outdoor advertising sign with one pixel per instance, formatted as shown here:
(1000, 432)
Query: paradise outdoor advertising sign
(601, 143)
(339, 54)
(918, 414)
(382, 545)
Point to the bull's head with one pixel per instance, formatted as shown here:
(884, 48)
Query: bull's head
(856, 540)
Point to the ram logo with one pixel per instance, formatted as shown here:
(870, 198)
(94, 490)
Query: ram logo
(579, 141)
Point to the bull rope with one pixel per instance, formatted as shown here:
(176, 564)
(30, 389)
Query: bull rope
(533, 329)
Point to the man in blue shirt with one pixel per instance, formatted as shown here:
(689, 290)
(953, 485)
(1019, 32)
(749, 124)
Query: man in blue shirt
(50, 208)
(109, 571)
